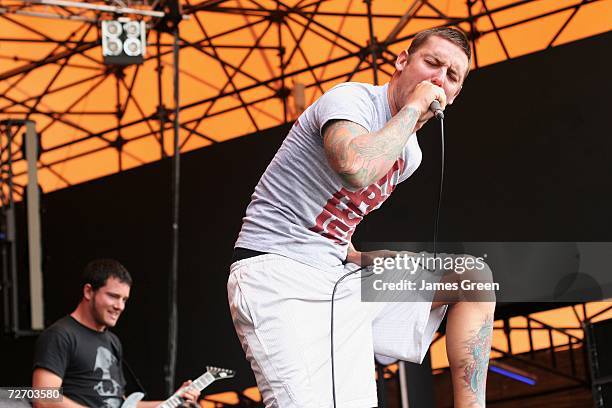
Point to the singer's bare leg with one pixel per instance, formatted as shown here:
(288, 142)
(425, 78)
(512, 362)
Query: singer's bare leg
(468, 344)
(469, 329)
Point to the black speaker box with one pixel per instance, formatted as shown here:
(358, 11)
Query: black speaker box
(599, 336)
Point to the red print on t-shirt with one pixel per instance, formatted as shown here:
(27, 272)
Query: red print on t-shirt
(345, 209)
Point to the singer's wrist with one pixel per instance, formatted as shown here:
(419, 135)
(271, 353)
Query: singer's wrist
(412, 108)
(411, 111)
(353, 256)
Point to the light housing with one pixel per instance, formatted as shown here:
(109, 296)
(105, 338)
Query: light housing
(124, 41)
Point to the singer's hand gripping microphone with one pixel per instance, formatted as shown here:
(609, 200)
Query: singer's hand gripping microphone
(437, 109)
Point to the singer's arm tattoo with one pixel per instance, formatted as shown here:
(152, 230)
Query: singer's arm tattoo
(359, 157)
(476, 365)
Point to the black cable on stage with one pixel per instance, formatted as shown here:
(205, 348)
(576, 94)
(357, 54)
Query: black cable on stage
(435, 239)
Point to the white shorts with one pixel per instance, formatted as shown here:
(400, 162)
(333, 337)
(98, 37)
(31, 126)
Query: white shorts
(281, 311)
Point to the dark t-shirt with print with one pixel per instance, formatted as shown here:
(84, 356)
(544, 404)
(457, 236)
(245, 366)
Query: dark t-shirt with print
(88, 361)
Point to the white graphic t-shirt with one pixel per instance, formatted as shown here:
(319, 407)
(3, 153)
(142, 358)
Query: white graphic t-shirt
(300, 208)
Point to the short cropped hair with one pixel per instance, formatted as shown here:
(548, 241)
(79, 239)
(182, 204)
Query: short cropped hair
(453, 35)
(97, 272)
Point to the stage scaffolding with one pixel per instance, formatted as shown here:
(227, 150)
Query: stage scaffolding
(568, 362)
(301, 48)
(19, 143)
(251, 69)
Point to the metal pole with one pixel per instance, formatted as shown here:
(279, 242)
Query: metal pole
(11, 233)
(99, 7)
(373, 42)
(161, 110)
(5, 285)
(473, 31)
(30, 140)
(382, 389)
(403, 384)
(281, 54)
(174, 184)
(6, 322)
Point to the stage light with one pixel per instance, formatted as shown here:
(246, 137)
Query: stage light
(132, 29)
(111, 28)
(113, 46)
(513, 372)
(132, 47)
(124, 41)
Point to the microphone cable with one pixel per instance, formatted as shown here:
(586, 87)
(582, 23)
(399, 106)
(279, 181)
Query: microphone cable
(437, 216)
(440, 117)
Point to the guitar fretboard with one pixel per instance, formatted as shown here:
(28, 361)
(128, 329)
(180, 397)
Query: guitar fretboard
(199, 384)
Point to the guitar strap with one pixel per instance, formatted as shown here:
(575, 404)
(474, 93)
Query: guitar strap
(131, 372)
(124, 364)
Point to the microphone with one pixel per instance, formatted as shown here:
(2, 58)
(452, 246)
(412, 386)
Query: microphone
(437, 109)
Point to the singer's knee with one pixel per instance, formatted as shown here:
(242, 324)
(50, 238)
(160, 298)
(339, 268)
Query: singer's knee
(471, 279)
(476, 282)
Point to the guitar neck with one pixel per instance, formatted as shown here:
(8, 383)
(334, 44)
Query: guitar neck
(199, 384)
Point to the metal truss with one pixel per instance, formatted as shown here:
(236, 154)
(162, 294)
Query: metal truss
(242, 61)
(565, 356)
(19, 147)
(10, 150)
(575, 345)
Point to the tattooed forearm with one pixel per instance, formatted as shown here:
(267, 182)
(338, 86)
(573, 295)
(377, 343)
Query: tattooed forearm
(476, 365)
(361, 158)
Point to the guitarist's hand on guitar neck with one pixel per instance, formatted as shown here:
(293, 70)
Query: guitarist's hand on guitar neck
(186, 396)
(189, 394)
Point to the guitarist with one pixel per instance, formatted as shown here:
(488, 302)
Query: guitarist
(79, 354)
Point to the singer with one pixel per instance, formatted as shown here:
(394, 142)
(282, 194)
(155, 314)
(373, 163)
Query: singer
(343, 158)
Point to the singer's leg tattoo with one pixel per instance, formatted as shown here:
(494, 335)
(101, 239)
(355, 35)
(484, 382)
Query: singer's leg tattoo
(475, 366)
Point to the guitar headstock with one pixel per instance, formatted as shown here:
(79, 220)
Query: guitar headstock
(220, 373)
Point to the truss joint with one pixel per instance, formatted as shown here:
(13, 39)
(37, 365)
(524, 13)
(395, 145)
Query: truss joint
(118, 143)
(375, 48)
(283, 93)
(474, 34)
(278, 16)
(162, 113)
(172, 16)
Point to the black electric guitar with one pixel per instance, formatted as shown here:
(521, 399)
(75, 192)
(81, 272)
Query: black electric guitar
(211, 375)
